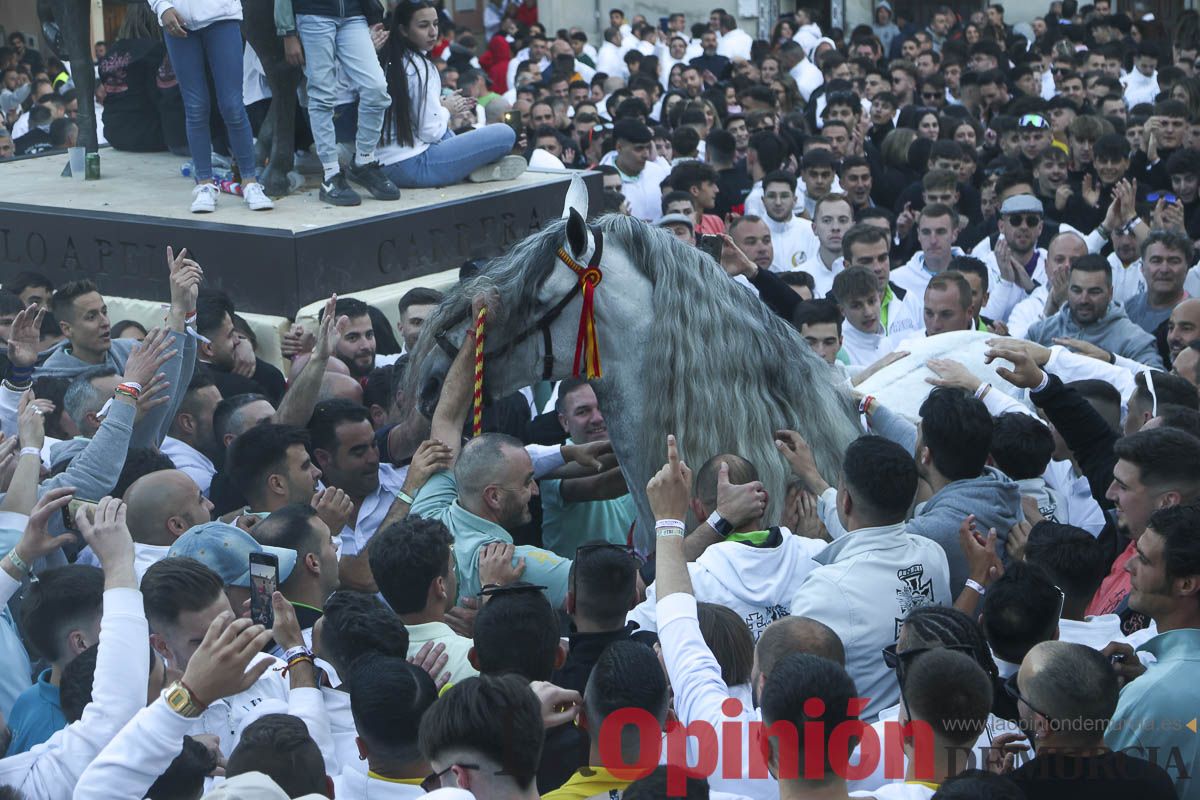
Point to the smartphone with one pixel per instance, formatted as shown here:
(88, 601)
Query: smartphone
(514, 120)
(713, 245)
(72, 508)
(264, 579)
(1166, 197)
(664, 24)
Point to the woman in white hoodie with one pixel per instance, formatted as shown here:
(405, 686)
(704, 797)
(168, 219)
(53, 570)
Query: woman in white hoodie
(209, 32)
(419, 149)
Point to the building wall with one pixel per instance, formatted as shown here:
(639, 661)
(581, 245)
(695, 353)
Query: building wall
(21, 16)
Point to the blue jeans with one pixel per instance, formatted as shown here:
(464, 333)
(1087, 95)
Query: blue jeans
(220, 44)
(453, 158)
(327, 42)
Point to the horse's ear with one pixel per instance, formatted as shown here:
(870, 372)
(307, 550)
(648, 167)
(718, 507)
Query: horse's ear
(577, 233)
(576, 199)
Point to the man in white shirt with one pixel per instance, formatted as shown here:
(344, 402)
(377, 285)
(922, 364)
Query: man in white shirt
(872, 576)
(937, 228)
(1016, 264)
(538, 52)
(162, 505)
(610, 58)
(832, 217)
(190, 443)
(414, 567)
(806, 74)
(1141, 84)
(734, 42)
(866, 245)
(641, 178)
(864, 339)
(792, 237)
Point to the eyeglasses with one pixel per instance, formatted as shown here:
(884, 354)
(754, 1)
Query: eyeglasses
(897, 660)
(1030, 220)
(1033, 121)
(1010, 688)
(434, 781)
(512, 588)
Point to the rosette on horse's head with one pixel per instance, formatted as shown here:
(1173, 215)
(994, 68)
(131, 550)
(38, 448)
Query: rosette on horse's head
(672, 345)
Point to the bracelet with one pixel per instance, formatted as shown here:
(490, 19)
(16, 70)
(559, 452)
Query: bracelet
(299, 651)
(297, 660)
(864, 405)
(1104, 232)
(982, 391)
(16, 386)
(977, 586)
(189, 316)
(20, 563)
(1112, 358)
(128, 390)
(134, 385)
(20, 374)
(32, 451)
(405, 497)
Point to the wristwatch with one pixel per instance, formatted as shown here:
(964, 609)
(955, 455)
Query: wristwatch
(722, 526)
(180, 699)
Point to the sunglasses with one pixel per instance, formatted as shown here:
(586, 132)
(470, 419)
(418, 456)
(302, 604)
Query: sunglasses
(930, 95)
(1033, 121)
(434, 780)
(1010, 688)
(1029, 220)
(512, 588)
(628, 550)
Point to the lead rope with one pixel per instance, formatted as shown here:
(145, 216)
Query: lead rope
(477, 420)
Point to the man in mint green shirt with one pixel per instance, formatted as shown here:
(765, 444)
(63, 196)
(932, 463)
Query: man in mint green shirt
(579, 510)
(488, 492)
(1155, 710)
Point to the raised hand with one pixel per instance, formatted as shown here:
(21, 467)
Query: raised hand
(31, 420)
(218, 667)
(334, 507)
(559, 706)
(146, 358)
(671, 487)
(432, 456)
(286, 630)
(588, 455)
(107, 533)
(496, 564)
(185, 277)
(1025, 373)
(1090, 191)
(739, 503)
(952, 374)
(799, 456)
(1062, 195)
(296, 341)
(329, 332)
(25, 337)
(36, 541)
(153, 395)
(1084, 348)
(244, 360)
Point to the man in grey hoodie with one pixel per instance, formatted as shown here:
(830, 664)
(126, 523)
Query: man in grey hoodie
(82, 315)
(1091, 315)
(953, 441)
(884, 27)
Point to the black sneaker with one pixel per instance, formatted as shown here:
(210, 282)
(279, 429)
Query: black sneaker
(337, 192)
(371, 178)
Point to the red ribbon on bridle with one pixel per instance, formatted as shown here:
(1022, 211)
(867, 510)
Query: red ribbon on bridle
(587, 346)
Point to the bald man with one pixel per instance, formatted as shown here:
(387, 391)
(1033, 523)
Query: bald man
(1068, 695)
(338, 386)
(161, 507)
(1183, 326)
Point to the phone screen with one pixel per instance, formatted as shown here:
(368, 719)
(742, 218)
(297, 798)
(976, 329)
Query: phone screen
(264, 578)
(713, 245)
(513, 120)
(72, 508)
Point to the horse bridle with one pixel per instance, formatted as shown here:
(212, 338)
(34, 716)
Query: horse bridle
(543, 324)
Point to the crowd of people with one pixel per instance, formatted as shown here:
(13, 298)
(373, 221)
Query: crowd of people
(1012, 577)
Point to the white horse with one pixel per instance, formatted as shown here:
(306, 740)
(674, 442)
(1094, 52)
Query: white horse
(684, 350)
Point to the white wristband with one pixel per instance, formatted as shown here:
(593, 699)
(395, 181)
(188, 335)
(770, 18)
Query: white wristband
(31, 451)
(667, 533)
(977, 586)
(670, 523)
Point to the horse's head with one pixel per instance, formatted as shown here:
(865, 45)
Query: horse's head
(533, 301)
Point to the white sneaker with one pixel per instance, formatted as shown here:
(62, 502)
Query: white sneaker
(256, 198)
(204, 198)
(505, 169)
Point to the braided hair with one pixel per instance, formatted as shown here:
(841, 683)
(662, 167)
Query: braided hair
(927, 626)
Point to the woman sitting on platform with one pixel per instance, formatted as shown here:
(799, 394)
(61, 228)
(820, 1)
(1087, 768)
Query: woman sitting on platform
(419, 148)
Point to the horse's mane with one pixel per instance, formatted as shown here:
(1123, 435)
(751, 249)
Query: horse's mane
(734, 372)
(723, 371)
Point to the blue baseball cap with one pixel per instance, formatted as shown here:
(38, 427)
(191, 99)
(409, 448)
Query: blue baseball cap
(226, 549)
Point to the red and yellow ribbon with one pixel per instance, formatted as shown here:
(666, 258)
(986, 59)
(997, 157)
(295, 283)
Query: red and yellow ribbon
(587, 345)
(477, 420)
